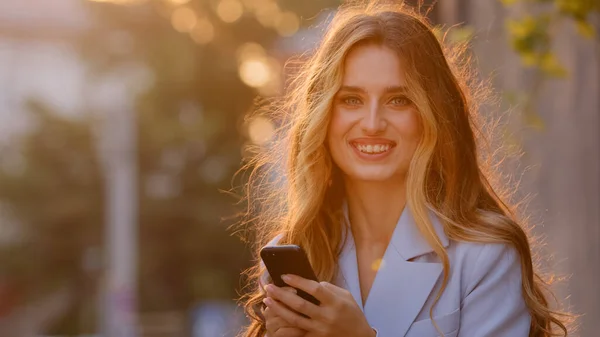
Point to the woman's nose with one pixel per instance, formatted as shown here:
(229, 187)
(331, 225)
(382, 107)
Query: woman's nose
(373, 121)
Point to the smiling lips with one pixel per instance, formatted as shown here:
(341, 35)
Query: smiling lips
(372, 146)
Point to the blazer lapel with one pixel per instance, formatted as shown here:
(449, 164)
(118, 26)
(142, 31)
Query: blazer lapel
(349, 268)
(401, 287)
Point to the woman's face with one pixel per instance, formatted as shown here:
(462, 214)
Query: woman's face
(374, 128)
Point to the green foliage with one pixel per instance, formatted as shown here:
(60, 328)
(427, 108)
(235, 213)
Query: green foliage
(531, 35)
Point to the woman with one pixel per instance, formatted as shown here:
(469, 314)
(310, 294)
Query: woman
(385, 192)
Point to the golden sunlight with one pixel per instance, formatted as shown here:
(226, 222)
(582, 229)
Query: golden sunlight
(260, 130)
(183, 19)
(230, 10)
(274, 86)
(250, 50)
(255, 72)
(377, 264)
(203, 32)
(287, 24)
(252, 5)
(178, 2)
(267, 13)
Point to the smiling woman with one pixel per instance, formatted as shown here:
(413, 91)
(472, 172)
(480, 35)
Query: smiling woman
(385, 191)
(374, 127)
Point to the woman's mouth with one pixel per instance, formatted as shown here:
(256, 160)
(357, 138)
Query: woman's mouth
(372, 149)
(377, 148)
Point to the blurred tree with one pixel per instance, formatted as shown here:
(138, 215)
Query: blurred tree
(190, 141)
(55, 195)
(531, 36)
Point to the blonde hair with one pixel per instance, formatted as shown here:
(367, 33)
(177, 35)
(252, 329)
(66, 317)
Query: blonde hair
(296, 191)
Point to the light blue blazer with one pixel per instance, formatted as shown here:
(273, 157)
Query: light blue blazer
(482, 298)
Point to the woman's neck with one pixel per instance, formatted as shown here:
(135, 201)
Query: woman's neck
(374, 208)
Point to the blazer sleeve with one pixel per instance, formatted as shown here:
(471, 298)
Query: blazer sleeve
(494, 304)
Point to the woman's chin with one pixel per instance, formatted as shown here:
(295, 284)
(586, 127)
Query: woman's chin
(375, 176)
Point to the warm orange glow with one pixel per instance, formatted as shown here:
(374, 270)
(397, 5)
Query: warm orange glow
(203, 32)
(250, 50)
(253, 4)
(287, 24)
(267, 13)
(274, 85)
(377, 264)
(178, 2)
(255, 73)
(260, 130)
(230, 10)
(163, 9)
(183, 19)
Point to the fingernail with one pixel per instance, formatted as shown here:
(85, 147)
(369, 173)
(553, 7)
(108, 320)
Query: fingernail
(285, 277)
(267, 301)
(268, 288)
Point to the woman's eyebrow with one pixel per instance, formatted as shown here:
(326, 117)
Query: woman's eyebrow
(389, 89)
(396, 89)
(352, 88)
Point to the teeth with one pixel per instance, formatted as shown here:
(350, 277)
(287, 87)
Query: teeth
(379, 148)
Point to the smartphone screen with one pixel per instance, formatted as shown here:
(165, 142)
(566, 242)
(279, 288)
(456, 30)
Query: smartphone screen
(288, 259)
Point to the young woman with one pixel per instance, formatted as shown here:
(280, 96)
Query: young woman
(385, 191)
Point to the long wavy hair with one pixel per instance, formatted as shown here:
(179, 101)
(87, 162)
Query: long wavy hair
(296, 191)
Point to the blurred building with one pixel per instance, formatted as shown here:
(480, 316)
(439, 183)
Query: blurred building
(36, 62)
(560, 167)
(37, 59)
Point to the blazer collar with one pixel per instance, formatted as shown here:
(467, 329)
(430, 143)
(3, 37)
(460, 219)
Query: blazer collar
(401, 287)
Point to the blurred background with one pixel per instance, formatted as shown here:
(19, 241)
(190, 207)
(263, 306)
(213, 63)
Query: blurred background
(122, 121)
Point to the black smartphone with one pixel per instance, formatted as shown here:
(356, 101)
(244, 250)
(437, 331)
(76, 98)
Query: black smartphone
(288, 259)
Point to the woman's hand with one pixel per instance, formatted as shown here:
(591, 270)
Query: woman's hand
(338, 314)
(277, 326)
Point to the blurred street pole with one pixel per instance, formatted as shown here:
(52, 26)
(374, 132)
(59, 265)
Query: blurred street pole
(117, 140)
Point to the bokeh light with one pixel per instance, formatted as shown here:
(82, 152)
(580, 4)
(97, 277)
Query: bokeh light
(250, 50)
(255, 72)
(230, 10)
(164, 9)
(183, 19)
(178, 2)
(267, 13)
(274, 86)
(287, 24)
(258, 70)
(252, 5)
(203, 32)
(260, 130)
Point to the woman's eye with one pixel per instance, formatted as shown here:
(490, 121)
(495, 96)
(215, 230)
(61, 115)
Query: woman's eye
(401, 101)
(351, 100)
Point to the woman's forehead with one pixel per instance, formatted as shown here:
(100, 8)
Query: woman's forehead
(373, 66)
